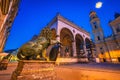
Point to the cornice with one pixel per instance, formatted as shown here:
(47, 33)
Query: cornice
(115, 21)
(61, 18)
(95, 19)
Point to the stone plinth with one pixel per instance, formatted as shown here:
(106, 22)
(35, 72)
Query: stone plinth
(34, 70)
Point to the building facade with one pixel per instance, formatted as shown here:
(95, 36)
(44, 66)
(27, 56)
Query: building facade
(107, 48)
(73, 38)
(8, 12)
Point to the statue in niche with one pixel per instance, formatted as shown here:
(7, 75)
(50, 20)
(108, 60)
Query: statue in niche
(67, 51)
(36, 49)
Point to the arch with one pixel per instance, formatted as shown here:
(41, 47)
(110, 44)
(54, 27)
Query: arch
(89, 49)
(53, 30)
(66, 38)
(79, 45)
(87, 41)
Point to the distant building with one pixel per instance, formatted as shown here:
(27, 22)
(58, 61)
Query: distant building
(12, 51)
(107, 48)
(8, 12)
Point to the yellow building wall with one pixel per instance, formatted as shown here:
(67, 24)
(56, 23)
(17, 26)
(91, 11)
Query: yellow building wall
(113, 55)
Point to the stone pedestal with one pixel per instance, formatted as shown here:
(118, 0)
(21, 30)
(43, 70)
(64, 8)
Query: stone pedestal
(34, 70)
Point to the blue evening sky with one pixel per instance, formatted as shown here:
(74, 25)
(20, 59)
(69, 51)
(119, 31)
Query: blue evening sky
(33, 15)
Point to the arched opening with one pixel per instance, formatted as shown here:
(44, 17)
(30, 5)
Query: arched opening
(53, 37)
(79, 45)
(87, 41)
(89, 49)
(53, 34)
(66, 38)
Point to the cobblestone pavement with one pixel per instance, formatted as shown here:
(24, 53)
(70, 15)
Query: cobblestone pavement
(101, 66)
(6, 74)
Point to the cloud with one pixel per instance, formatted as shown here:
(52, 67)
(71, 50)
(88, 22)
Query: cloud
(98, 5)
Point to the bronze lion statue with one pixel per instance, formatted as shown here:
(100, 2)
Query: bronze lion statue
(34, 50)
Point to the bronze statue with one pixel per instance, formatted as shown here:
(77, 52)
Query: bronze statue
(36, 49)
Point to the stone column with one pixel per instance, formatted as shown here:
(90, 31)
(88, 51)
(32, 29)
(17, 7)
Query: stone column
(58, 38)
(74, 49)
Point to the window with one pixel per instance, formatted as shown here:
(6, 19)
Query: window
(119, 24)
(118, 28)
(95, 25)
(102, 53)
(101, 48)
(8, 29)
(98, 38)
(93, 17)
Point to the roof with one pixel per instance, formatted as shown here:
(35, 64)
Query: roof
(116, 15)
(65, 20)
(92, 12)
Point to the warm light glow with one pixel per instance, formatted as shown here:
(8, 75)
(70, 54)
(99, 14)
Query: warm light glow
(114, 54)
(98, 5)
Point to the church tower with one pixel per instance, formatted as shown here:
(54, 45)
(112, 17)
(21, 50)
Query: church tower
(107, 48)
(96, 27)
(98, 36)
